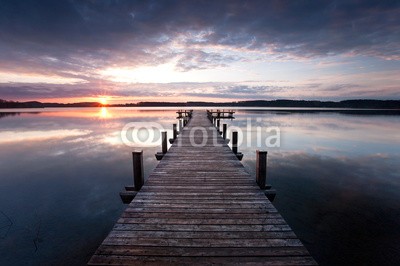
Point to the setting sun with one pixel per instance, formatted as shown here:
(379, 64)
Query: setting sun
(103, 100)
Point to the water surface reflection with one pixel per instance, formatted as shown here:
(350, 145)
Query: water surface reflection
(337, 178)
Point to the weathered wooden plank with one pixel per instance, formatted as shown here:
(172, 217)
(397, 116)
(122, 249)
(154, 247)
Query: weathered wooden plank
(129, 220)
(184, 215)
(200, 260)
(203, 234)
(262, 206)
(202, 251)
(196, 227)
(203, 210)
(202, 242)
(204, 201)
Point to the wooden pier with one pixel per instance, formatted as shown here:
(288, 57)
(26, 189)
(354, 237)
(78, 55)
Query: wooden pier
(200, 206)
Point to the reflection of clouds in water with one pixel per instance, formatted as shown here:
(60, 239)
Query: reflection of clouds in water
(75, 192)
(38, 135)
(72, 182)
(331, 198)
(339, 205)
(329, 133)
(328, 125)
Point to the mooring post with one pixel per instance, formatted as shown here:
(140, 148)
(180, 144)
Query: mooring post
(164, 141)
(175, 132)
(164, 147)
(234, 142)
(180, 126)
(261, 168)
(224, 131)
(239, 155)
(137, 159)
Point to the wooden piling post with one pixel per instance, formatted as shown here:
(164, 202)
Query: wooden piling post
(138, 179)
(180, 126)
(239, 155)
(218, 125)
(174, 134)
(224, 131)
(164, 147)
(164, 142)
(234, 142)
(175, 131)
(261, 168)
(261, 175)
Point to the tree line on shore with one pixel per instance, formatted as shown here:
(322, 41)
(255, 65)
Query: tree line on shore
(358, 104)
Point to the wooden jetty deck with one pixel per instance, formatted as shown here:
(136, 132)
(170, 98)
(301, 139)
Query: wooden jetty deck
(200, 206)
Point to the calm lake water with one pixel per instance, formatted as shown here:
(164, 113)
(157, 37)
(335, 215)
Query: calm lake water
(337, 178)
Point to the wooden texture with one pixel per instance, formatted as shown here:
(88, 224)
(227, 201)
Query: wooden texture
(224, 127)
(199, 206)
(261, 168)
(175, 131)
(164, 145)
(137, 160)
(234, 142)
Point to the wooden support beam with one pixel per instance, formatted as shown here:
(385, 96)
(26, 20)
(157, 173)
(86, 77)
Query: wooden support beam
(127, 196)
(270, 193)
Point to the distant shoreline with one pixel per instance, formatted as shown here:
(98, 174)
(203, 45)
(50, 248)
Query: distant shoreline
(360, 104)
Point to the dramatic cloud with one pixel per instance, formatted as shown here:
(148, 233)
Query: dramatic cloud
(77, 39)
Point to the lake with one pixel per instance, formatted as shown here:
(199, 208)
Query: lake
(337, 178)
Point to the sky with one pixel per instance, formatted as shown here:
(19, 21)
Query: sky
(129, 51)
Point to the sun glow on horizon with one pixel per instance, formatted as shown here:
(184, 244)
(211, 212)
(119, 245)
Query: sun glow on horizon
(103, 100)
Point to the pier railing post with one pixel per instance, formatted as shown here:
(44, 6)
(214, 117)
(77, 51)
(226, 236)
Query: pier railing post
(224, 131)
(234, 142)
(175, 131)
(174, 134)
(239, 155)
(164, 147)
(261, 168)
(137, 159)
(164, 141)
(180, 126)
